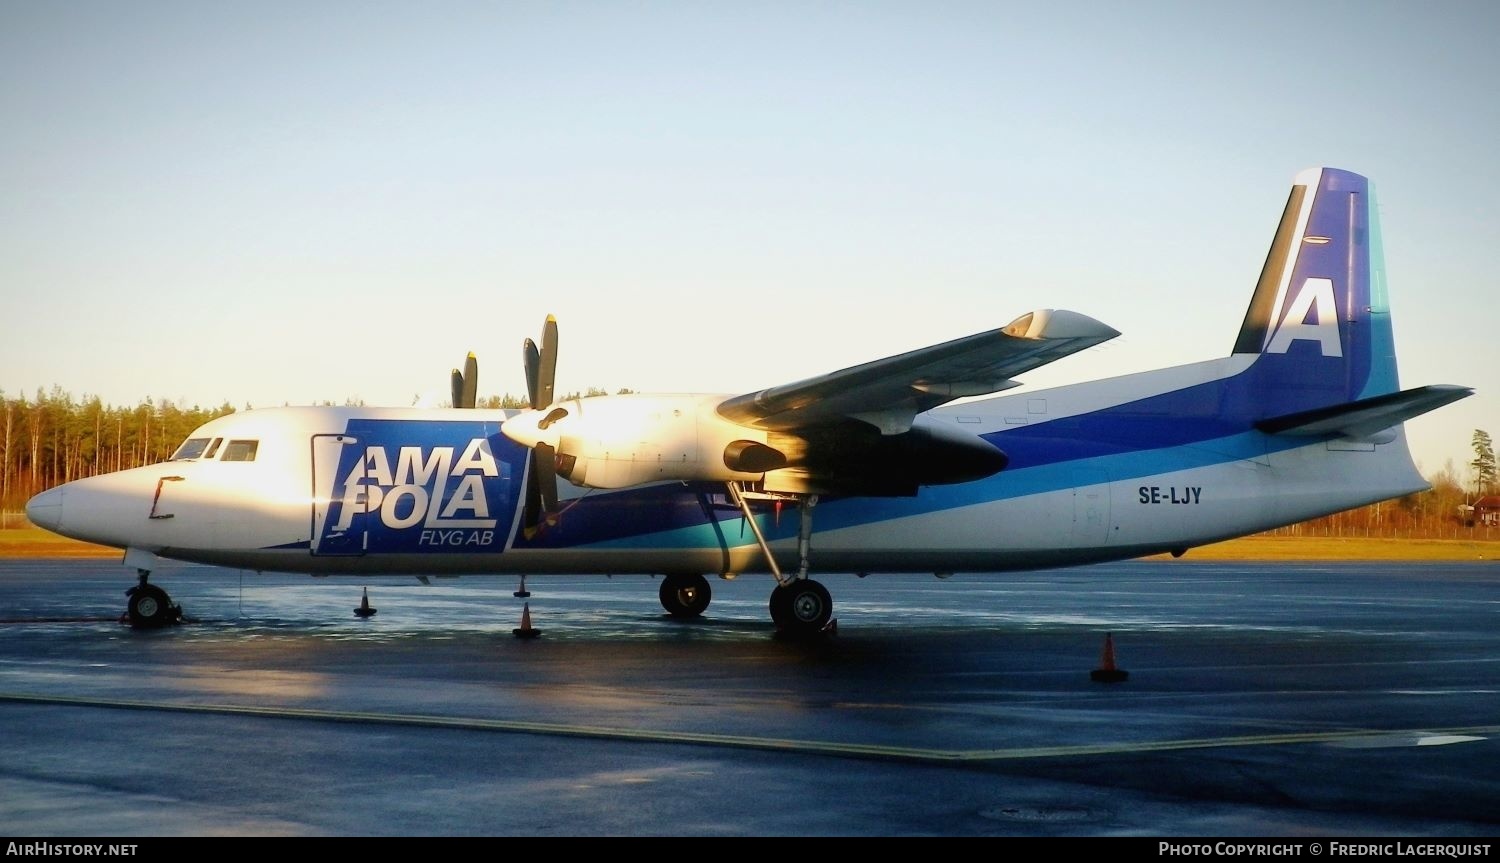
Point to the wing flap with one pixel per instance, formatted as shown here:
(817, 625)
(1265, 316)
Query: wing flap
(889, 393)
(1365, 417)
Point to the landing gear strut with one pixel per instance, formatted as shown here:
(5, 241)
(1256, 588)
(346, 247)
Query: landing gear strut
(149, 607)
(800, 607)
(685, 596)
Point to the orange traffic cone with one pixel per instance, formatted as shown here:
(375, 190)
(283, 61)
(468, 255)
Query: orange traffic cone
(1107, 672)
(364, 609)
(526, 630)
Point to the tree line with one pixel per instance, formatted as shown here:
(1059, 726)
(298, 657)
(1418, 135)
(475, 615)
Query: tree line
(53, 438)
(1442, 512)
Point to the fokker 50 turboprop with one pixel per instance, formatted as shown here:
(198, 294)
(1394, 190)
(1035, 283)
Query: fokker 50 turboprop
(1303, 418)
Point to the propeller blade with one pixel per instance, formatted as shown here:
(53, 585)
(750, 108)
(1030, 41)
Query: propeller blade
(531, 360)
(547, 368)
(531, 516)
(541, 491)
(546, 472)
(458, 388)
(470, 382)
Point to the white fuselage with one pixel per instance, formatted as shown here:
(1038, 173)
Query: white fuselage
(386, 490)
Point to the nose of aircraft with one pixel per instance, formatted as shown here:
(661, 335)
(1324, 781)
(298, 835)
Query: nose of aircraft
(45, 510)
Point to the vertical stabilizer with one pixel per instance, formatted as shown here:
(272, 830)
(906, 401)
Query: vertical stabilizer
(1319, 318)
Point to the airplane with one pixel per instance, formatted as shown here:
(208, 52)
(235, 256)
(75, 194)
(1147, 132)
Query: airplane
(903, 470)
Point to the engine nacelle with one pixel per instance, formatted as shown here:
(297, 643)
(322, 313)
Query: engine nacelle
(625, 440)
(854, 458)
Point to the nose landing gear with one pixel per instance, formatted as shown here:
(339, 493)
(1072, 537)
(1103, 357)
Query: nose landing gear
(149, 607)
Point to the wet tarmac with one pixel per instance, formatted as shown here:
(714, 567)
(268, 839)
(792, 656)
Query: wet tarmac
(1263, 699)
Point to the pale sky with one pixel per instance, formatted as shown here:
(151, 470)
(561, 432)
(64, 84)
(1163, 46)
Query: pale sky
(286, 202)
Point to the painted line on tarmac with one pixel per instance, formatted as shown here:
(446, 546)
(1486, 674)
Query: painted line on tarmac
(811, 747)
(21, 621)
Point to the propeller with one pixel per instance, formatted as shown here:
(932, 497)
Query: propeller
(541, 365)
(466, 383)
(541, 480)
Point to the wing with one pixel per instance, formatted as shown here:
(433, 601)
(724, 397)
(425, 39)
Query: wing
(889, 393)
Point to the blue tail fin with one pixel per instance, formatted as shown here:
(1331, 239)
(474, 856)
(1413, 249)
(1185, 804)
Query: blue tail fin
(1320, 319)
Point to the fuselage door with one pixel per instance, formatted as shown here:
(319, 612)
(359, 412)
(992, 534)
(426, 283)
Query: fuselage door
(339, 497)
(1090, 508)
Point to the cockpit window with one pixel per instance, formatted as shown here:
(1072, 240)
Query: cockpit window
(191, 448)
(213, 448)
(240, 450)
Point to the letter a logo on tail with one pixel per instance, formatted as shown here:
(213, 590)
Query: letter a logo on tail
(1316, 296)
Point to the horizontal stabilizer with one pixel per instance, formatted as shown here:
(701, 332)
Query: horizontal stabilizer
(1366, 417)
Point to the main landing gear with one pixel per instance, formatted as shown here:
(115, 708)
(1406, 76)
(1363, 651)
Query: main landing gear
(149, 607)
(685, 596)
(800, 607)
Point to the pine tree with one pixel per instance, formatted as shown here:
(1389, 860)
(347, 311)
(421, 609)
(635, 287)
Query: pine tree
(1483, 464)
